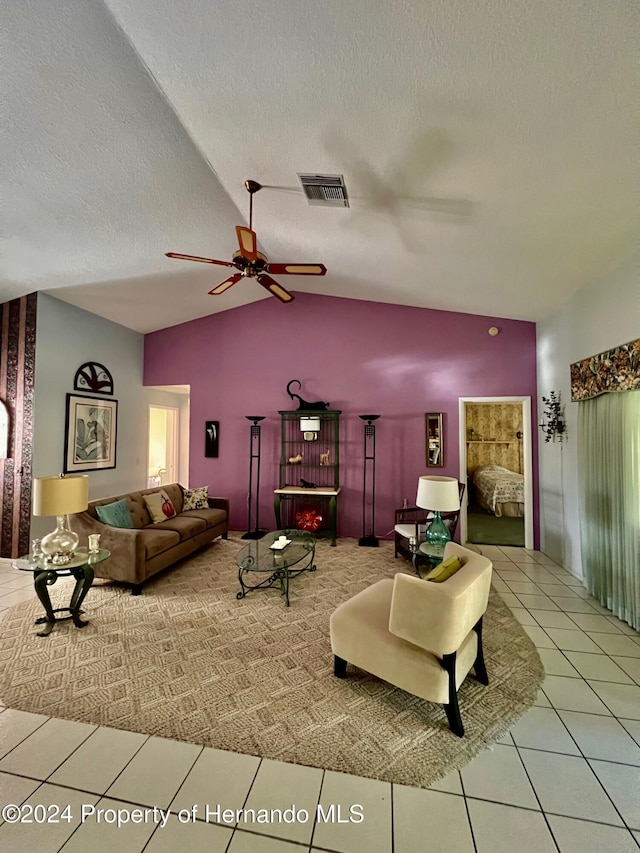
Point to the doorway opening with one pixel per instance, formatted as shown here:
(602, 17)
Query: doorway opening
(162, 458)
(496, 466)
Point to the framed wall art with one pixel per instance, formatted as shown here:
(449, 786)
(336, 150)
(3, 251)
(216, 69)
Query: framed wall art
(211, 439)
(435, 440)
(91, 430)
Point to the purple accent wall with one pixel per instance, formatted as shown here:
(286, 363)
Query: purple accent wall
(396, 361)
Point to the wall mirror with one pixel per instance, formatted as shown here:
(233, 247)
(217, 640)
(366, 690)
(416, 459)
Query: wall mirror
(435, 440)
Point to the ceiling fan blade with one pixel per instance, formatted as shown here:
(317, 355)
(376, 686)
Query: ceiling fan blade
(248, 243)
(274, 288)
(197, 258)
(225, 285)
(297, 269)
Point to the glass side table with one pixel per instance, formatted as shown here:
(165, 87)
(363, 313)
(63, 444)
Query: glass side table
(45, 575)
(424, 557)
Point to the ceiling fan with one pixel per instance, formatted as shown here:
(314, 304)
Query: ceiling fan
(251, 263)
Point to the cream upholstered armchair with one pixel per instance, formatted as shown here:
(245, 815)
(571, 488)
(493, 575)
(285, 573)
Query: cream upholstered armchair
(421, 636)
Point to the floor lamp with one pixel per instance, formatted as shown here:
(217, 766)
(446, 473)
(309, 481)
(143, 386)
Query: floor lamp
(369, 540)
(254, 461)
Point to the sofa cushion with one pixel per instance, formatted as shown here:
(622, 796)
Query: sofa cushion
(160, 506)
(195, 498)
(212, 517)
(186, 527)
(156, 541)
(138, 508)
(115, 515)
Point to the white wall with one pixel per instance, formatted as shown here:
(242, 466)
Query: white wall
(599, 317)
(66, 337)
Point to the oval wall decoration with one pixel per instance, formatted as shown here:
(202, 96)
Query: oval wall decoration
(94, 377)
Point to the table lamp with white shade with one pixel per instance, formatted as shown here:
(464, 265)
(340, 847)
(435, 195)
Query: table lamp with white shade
(60, 496)
(439, 494)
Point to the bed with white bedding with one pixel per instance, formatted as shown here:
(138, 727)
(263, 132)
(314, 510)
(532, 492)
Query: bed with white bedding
(499, 490)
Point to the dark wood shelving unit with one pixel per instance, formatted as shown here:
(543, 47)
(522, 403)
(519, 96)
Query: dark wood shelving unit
(316, 461)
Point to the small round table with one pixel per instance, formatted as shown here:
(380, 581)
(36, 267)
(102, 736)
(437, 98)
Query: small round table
(46, 574)
(425, 557)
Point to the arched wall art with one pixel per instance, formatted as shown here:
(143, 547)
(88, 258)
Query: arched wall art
(94, 377)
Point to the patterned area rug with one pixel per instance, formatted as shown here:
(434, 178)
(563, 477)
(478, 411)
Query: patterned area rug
(187, 660)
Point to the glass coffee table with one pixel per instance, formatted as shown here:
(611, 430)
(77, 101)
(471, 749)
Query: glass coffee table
(258, 558)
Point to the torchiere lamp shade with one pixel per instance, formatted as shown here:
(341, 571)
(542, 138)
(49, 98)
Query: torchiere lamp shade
(61, 495)
(438, 493)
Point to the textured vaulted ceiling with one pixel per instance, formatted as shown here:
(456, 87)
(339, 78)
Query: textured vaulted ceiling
(489, 149)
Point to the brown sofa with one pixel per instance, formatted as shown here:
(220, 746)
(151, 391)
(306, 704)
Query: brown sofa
(139, 553)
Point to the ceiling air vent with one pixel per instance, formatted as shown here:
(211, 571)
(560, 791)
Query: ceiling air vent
(325, 190)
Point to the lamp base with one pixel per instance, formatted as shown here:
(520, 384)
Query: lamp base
(368, 541)
(60, 559)
(60, 545)
(437, 534)
(254, 534)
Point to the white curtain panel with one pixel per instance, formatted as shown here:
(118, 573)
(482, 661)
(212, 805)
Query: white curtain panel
(609, 478)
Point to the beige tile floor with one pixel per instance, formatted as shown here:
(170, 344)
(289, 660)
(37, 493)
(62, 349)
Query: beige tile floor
(565, 778)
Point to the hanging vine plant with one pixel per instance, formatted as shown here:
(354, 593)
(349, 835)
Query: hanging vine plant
(552, 423)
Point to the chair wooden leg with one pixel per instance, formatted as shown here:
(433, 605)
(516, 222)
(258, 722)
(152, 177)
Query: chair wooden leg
(478, 664)
(452, 709)
(339, 667)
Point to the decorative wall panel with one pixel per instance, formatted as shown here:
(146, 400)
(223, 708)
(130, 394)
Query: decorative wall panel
(492, 435)
(17, 361)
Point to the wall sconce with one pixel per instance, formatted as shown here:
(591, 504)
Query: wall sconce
(552, 421)
(310, 427)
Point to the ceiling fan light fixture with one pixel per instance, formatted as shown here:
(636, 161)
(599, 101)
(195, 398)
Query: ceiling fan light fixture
(251, 263)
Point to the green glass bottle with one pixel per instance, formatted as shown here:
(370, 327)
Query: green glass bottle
(437, 534)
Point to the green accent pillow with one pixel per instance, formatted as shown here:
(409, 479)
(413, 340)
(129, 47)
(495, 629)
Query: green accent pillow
(115, 515)
(444, 571)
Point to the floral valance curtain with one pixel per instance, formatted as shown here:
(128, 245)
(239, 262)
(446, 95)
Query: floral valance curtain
(615, 370)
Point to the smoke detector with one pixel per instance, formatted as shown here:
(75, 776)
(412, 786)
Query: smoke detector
(324, 190)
